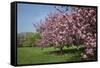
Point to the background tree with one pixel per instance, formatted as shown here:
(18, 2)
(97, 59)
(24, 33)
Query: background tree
(27, 39)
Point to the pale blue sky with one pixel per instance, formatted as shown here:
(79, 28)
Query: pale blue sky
(31, 13)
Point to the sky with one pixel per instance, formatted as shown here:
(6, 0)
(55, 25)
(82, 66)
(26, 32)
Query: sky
(27, 14)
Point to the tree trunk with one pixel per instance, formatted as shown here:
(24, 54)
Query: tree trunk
(61, 50)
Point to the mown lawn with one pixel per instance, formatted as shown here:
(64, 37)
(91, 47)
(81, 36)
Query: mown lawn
(35, 55)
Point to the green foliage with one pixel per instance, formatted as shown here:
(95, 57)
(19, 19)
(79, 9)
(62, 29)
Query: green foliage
(27, 39)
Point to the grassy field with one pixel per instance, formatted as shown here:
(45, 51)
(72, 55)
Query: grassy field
(35, 55)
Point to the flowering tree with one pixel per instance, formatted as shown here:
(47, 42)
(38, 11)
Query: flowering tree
(60, 29)
(55, 31)
(86, 24)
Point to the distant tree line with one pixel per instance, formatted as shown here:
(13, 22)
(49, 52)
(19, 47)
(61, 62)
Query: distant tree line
(27, 39)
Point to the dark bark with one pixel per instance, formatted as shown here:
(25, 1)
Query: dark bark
(61, 50)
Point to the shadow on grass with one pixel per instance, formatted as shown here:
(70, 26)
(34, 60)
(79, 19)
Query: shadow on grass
(66, 51)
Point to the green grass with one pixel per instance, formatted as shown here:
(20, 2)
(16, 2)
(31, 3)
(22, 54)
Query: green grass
(35, 55)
